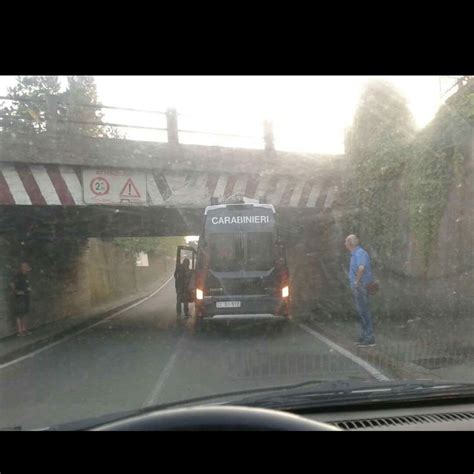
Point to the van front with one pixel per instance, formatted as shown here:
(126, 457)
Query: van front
(242, 270)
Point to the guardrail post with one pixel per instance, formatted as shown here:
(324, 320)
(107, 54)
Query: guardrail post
(51, 114)
(172, 126)
(268, 135)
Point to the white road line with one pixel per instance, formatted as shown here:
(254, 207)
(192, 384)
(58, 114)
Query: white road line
(152, 399)
(114, 315)
(365, 365)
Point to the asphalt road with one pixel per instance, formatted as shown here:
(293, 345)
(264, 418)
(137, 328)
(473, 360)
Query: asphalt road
(142, 357)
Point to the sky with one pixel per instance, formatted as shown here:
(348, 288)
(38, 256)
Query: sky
(309, 113)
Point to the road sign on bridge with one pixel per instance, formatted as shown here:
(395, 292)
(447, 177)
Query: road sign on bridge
(52, 185)
(114, 186)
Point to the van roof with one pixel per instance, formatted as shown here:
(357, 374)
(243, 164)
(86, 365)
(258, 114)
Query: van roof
(223, 206)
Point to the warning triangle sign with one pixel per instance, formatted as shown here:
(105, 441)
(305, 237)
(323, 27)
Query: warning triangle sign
(130, 190)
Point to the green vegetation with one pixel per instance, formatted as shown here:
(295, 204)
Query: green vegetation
(391, 159)
(162, 246)
(28, 117)
(46, 244)
(437, 164)
(377, 145)
(76, 106)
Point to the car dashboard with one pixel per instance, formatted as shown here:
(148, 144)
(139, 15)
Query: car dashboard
(435, 418)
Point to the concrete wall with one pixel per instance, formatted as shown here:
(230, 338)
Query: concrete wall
(446, 290)
(102, 273)
(317, 261)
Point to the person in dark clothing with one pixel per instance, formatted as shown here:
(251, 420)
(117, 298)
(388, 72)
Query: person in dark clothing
(182, 275)
(21, 298)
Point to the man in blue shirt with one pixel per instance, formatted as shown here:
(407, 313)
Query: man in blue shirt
(360, 275)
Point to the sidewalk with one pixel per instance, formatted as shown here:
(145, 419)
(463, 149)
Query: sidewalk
(429, 349)
(12, 347)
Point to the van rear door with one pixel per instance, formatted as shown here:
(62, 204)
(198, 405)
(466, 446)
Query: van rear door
(183, 252)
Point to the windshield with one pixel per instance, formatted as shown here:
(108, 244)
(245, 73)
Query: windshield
(225, 252)
(260, 253)
(168, 238)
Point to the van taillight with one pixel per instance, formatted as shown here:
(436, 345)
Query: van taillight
(199, 279)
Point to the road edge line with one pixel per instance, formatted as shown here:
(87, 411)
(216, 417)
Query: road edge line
(361, 362)
(74, 334)
(165, 373)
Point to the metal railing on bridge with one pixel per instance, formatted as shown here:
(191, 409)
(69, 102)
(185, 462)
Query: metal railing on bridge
(53, 116)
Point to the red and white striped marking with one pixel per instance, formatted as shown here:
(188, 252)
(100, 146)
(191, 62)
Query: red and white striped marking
(71, 181)
(52, 185)
(15, 188)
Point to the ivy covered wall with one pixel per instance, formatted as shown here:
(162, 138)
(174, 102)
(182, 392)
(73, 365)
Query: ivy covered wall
(409, 195)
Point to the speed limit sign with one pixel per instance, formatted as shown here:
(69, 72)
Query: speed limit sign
(100, 186)
(114, 186)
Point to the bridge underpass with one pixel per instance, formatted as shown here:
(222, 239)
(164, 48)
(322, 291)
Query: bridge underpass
(43, 204)
(112, 221)
(44, 234)
(100, 222)
(140, 357)
(136, 348)
(49, 179)
(306, 210)
(46, 182)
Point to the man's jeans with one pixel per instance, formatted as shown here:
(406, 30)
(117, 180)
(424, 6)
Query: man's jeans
(361, 301)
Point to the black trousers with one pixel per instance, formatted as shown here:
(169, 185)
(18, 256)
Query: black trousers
(182, 299)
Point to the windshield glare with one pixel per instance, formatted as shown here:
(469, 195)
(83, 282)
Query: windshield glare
(193, 236)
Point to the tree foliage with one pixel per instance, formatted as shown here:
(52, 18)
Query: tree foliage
(438, 161)
(76, 107)
(28, 117)
(377, 145)
(161, 246)
(77, 110)
(398, 171)
(46, 243)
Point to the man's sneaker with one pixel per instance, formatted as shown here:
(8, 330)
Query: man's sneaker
(370, 343)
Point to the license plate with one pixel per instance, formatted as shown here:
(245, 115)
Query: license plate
(228, 304)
